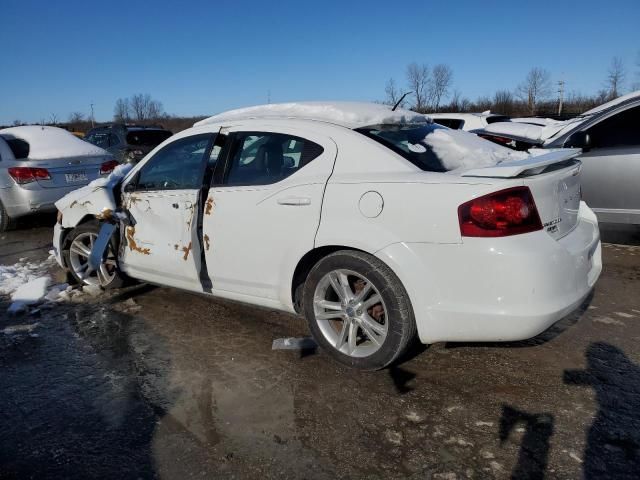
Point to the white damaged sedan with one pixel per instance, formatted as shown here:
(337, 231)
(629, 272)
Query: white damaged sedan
(376, 224)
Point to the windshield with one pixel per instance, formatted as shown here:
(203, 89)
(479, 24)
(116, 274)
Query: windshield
(408, 141)
(149, 138)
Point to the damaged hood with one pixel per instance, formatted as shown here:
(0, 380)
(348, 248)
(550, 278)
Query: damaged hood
(96, 198)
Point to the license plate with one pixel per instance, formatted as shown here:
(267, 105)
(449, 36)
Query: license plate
(75, 177)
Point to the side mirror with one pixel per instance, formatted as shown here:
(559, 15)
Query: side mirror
(579, 140)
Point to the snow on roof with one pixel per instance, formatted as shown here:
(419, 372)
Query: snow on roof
(46, 143)
(347, 114)
(614, 102)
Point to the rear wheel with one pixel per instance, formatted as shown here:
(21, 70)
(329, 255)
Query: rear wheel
(6, 222)
(79, 244)
(358, 310)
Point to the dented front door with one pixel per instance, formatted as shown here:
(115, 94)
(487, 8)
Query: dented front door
(161, 243)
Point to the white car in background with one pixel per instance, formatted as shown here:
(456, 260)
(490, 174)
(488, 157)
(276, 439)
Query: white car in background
(467, 121)
(373, 223)
(39, 165)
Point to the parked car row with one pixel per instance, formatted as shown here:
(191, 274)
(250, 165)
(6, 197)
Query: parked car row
(608, 135)
(127, 143)
(41, 164)
(377, 225)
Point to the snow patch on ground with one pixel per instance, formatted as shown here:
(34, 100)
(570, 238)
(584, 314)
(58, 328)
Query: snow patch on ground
(28, 284)
(29, 293)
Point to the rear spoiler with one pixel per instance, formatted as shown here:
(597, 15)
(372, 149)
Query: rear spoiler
(538, 161)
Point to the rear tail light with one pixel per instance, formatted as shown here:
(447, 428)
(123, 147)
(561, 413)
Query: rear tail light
(107, 167)
(507, 212)
(24, 175)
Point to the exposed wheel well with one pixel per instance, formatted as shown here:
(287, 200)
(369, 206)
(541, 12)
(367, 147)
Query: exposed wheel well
(305, 265)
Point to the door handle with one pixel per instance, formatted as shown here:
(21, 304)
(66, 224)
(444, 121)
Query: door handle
(295, 201)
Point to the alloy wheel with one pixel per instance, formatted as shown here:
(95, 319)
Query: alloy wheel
(350, 313)
(79, 252)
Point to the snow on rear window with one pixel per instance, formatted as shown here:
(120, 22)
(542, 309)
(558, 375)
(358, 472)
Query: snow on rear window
(460, 150)
(437, 149)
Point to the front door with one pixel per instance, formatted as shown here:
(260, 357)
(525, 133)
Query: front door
(162, 243)
(262, 215)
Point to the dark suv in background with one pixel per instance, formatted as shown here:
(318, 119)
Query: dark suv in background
(127, 143)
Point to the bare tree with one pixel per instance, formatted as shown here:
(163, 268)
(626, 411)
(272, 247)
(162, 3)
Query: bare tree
(503, 102)
(76, 117)
(143, 107)
(392, 93)
(53, 119)
(456, 101)
(122, 111)
(482, 104)
(615, 77)
(442, 78)
(139, 104)
(17, 123)
(418, 80)
(535, 88)
(155, 110)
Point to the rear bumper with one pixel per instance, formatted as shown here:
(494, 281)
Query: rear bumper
(499, 289)
(22, 200)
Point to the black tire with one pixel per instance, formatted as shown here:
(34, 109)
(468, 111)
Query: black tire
(119, 278)
(399, 313)
(6, 222)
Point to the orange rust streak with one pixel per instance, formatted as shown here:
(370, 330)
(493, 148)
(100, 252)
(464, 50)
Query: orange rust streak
(206, 242)
(209, 206)
(133, 246)
(186, 251)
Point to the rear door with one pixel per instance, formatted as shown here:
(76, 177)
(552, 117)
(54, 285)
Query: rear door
(612, 168)
(262, 214)
(163, 201)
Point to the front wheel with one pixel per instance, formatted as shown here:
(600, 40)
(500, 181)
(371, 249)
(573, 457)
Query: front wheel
(79, 245)
(358, 310)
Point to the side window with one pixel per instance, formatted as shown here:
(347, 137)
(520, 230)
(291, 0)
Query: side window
(259, 158)
(178, 166)
(622, 129)
(113, 140)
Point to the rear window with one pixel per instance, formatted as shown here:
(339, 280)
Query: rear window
(498, 118)
(409, 141)
(454, 123)
(149, 138)
(19, 148)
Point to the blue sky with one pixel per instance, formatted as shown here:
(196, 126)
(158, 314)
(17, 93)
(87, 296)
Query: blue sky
(203, 57)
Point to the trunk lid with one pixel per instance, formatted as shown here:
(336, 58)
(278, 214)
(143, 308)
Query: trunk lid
(554, 180)
(71, 171)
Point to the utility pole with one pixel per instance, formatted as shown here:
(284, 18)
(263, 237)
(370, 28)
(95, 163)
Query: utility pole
(560, 96)
(92, 120)
(268, 96)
